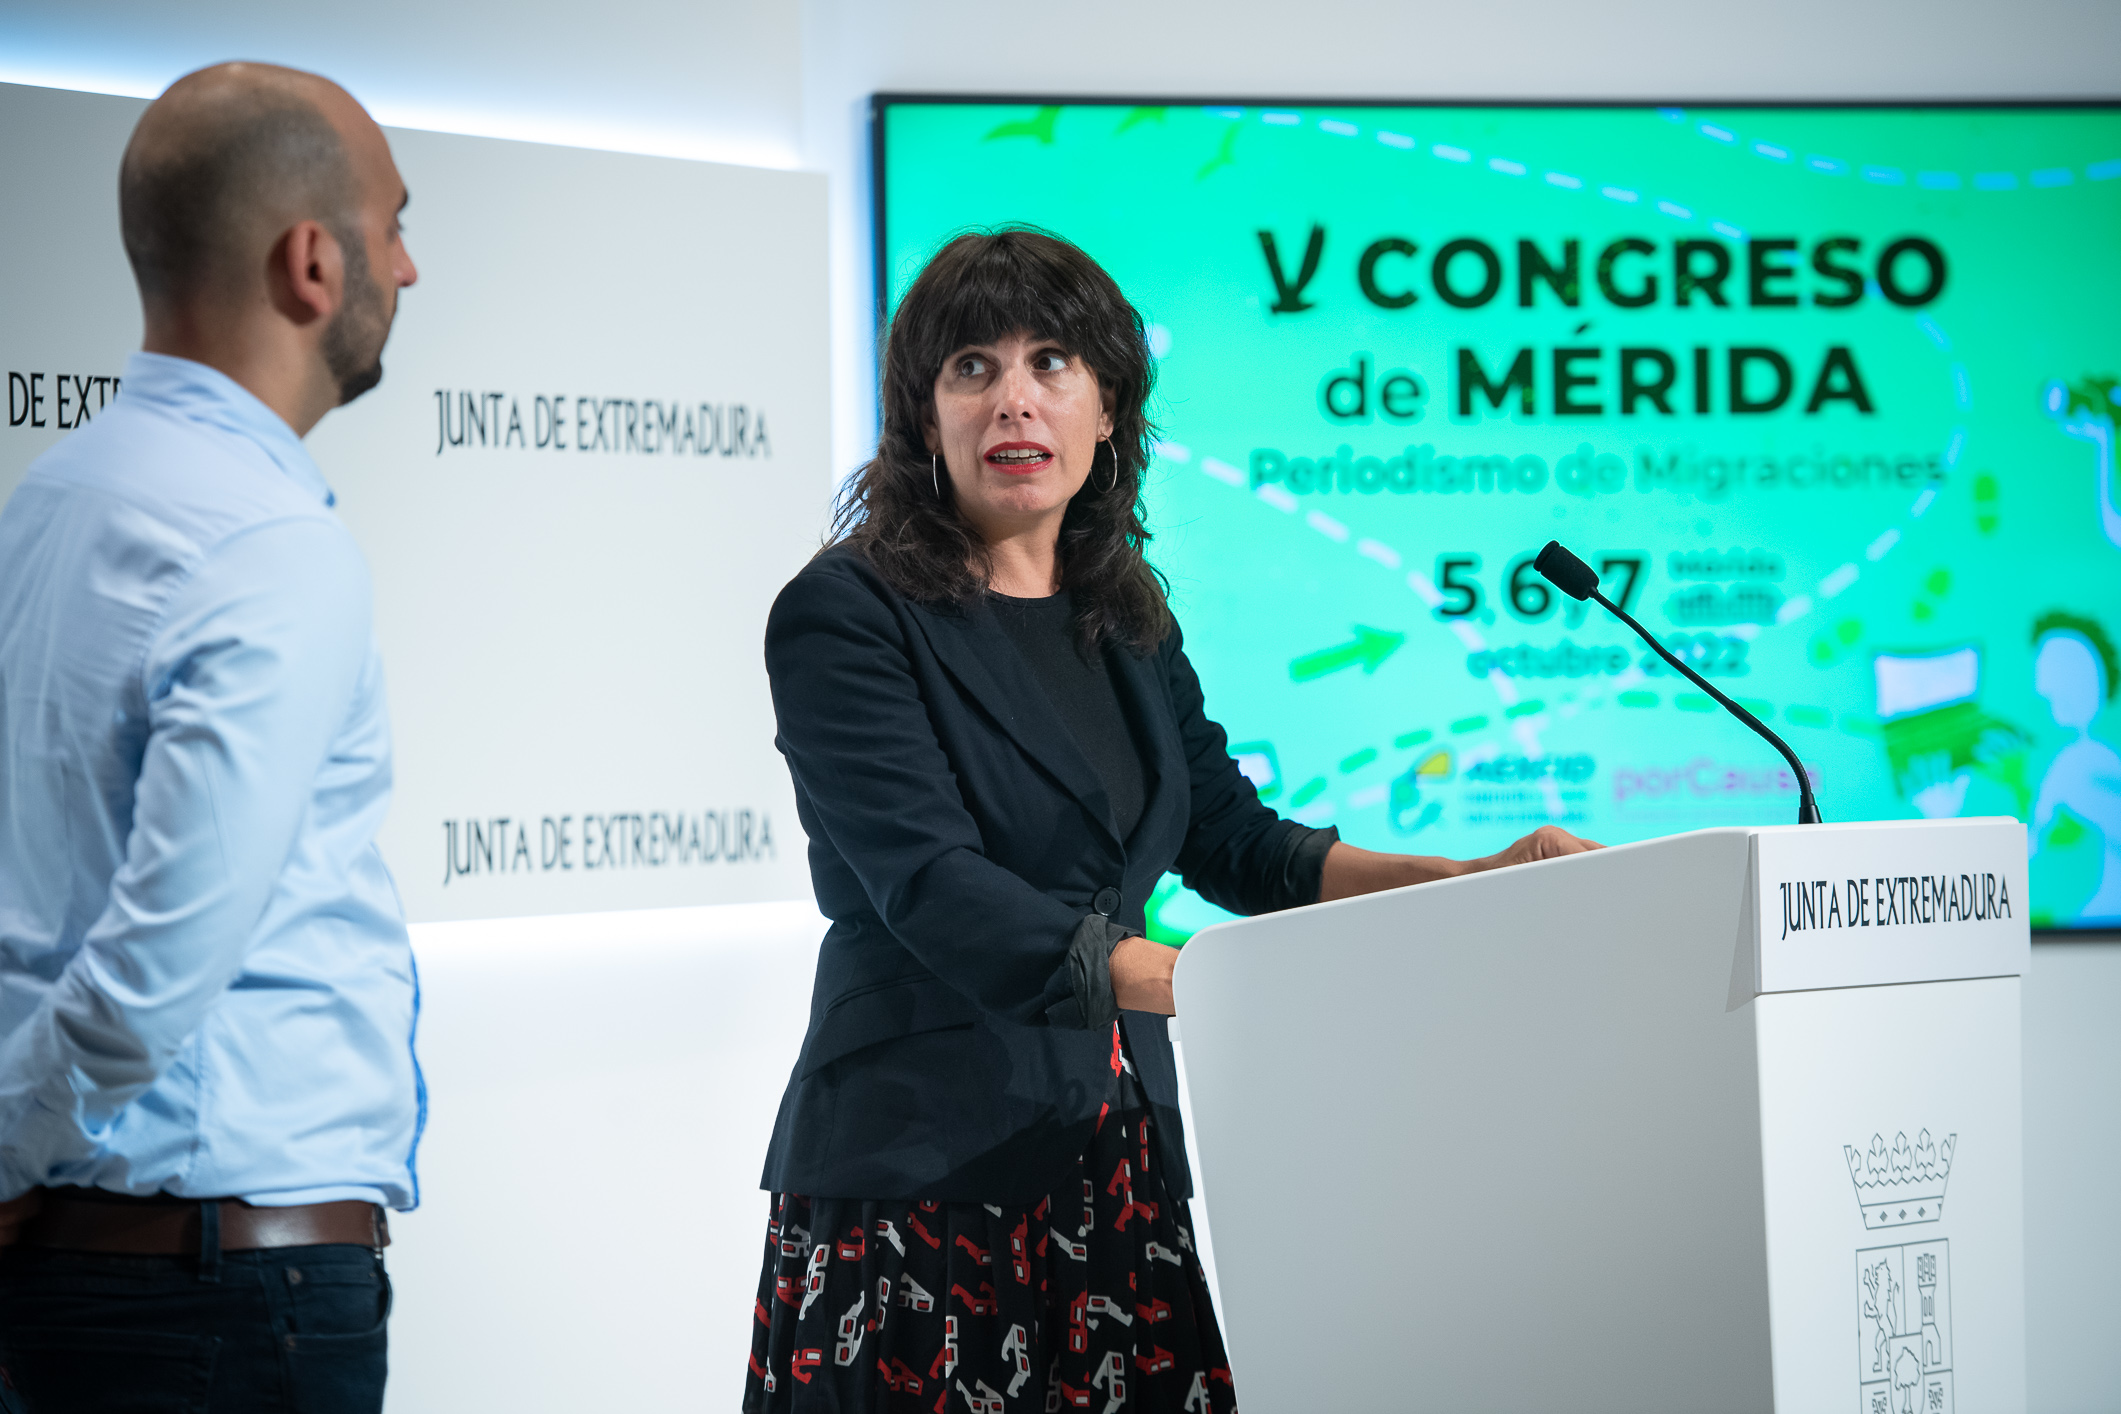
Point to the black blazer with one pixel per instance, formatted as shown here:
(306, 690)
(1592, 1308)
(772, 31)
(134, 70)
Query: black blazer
(958, 837)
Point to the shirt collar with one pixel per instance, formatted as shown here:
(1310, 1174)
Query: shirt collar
(198, 393)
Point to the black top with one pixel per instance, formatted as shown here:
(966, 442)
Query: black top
(1080, 688)
(968, 855)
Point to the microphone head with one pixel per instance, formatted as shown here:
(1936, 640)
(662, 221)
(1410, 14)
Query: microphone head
(1565, 572)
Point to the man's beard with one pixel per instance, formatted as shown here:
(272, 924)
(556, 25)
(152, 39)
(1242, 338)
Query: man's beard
(353, 341)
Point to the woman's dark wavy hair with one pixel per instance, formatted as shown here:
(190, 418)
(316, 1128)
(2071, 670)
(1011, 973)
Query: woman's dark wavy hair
(980, 287)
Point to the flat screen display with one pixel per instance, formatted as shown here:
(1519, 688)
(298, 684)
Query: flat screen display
(1826, 395)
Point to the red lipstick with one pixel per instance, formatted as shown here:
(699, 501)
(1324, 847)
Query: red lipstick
(1019, 458)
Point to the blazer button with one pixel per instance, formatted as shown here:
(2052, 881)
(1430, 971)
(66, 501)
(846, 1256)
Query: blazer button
(1106, 902)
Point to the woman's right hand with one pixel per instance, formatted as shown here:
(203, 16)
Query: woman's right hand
(1141, 976)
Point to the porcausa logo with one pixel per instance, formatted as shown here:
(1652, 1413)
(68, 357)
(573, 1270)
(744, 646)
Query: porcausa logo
(1704, 780)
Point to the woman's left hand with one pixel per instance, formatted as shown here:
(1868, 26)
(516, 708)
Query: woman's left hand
(1546, 842)
(1350, 871)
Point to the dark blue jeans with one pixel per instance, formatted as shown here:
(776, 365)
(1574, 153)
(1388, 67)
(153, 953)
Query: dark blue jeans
(288, 1330)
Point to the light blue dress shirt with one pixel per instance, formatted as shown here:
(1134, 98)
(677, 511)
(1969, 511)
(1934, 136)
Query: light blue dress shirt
(206, 987)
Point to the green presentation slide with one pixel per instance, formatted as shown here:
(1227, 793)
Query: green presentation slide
(1825, 395)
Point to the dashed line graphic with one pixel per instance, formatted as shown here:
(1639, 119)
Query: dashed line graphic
(2037, 178)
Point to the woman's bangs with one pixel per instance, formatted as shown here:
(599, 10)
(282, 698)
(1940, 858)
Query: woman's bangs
(1001, 295)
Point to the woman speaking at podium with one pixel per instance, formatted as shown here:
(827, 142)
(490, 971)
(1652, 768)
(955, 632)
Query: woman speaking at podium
(998, 748)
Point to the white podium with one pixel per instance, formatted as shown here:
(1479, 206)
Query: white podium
(1724, 1121)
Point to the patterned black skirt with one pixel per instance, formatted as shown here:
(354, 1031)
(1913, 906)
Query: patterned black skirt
(1092, 1298)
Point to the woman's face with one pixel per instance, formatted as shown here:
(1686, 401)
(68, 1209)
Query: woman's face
(1017, 423)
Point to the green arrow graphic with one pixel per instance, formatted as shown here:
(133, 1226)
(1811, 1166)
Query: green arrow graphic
(1038, 125)
(1370, 647)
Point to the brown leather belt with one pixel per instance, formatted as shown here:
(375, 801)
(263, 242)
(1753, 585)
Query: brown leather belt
(166, 1226)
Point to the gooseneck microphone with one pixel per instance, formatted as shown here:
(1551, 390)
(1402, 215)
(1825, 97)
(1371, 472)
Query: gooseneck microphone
(1577, 580)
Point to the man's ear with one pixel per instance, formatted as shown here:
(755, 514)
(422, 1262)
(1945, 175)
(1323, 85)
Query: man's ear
(308, 273)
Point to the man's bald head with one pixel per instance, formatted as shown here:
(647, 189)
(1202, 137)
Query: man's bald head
(223, 163)
(259, 207)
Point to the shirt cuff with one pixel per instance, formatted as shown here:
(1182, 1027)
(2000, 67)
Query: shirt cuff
(1090, 1004)
(1303, 868)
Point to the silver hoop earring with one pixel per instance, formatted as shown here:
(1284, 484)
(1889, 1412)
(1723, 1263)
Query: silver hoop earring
(935, 476)
(1113, 484)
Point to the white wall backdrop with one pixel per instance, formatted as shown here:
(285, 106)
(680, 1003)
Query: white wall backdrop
(582, 481)
(712, 79)
(781, 83)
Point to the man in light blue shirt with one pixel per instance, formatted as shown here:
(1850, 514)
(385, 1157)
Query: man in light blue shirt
(207, 997)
